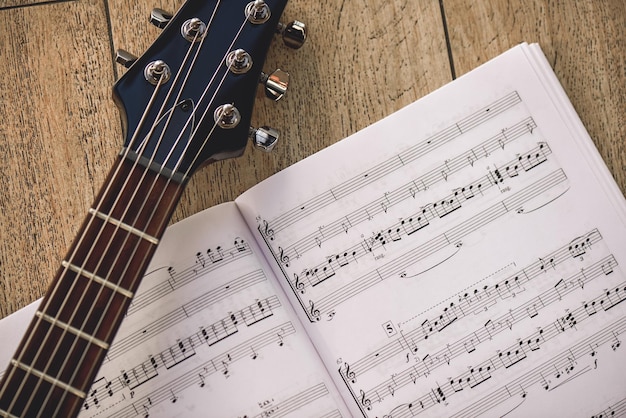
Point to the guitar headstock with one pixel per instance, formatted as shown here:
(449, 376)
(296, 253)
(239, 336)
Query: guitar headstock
(188, 99)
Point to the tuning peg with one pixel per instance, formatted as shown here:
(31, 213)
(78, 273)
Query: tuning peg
(294, 33)
(264, 138)
(160, 18)
(124, 58)
(275, 84)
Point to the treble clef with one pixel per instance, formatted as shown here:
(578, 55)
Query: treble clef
(365, 401)
(349, 374)
(298, 284)
(284, 258)
(313, 311)
(267, 231)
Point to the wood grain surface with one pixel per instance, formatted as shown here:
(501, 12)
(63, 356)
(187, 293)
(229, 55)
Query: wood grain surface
(59, 130)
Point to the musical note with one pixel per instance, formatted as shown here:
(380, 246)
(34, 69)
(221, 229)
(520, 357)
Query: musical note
(412, 225)
(535, 158)
(479, 375)
(200, 259)
(240, 244)
(281, 342)
(512, 357)
(215, 256)
(616, 343)
(173, 398)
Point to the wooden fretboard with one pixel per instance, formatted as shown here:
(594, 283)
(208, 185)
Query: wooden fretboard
(67, 340)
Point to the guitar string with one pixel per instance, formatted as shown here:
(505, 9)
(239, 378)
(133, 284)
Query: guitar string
(187, 172)
(181, 134)
(81, 269)
(158, 120)
(126, 154)
(39, 320)
(177, 141)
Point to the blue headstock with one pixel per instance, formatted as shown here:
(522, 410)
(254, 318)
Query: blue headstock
(188, 99)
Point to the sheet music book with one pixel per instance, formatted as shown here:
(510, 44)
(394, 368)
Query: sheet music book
(462, 257)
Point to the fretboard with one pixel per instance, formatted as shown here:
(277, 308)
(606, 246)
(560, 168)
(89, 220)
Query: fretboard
(67, 340)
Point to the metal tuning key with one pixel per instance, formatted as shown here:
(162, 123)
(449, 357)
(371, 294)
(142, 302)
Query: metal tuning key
(239, 61)
(293, 33)
(125, 58)
(264, 138)
(258, 12)
(275, 84)
(227, 116)
(160, 18)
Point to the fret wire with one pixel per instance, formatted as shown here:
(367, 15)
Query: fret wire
(90, 338)
(104, 282)
(77, 245)
(171, 204)
(125, 227)
(143, 171)
(95, 212)
(52, 380)
(178, 187)
(6, 414)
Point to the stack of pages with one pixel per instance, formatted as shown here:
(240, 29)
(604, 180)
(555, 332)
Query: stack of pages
(464, 256)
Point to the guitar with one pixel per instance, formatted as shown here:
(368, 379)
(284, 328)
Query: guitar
(185, 103)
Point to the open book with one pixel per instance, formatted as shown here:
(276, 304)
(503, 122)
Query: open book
(463, 256)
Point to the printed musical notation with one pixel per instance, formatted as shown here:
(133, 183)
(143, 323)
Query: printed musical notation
(410, 190)
(482, 298)
(271, 408)
(221, 326)
(478, 227)
(520, 156)
(506, 357)
(407, 156)
(451, 239)
(164, 374)
(178, 277)
(164, 392)
(470, 265)
(183, 312)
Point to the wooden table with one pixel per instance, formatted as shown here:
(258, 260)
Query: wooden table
(60, 132)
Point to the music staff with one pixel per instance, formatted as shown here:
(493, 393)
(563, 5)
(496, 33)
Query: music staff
(181, 313)
(419, 220)
(411, 189)
(219, 365)
(295, 402)
(413, 153)
(507, 357)
(451, 237)
(476, 301)
(183, 275)
(555, 368)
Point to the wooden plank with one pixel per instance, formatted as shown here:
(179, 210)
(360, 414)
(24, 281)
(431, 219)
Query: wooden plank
(585, 42)
(6, 4)
(363, 61)
(359, 64)
(57, 120)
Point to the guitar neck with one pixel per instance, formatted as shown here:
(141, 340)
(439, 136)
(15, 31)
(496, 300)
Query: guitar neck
(68, 338)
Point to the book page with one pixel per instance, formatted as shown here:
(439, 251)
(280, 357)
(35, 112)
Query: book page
(208, 334)
(462, 257)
